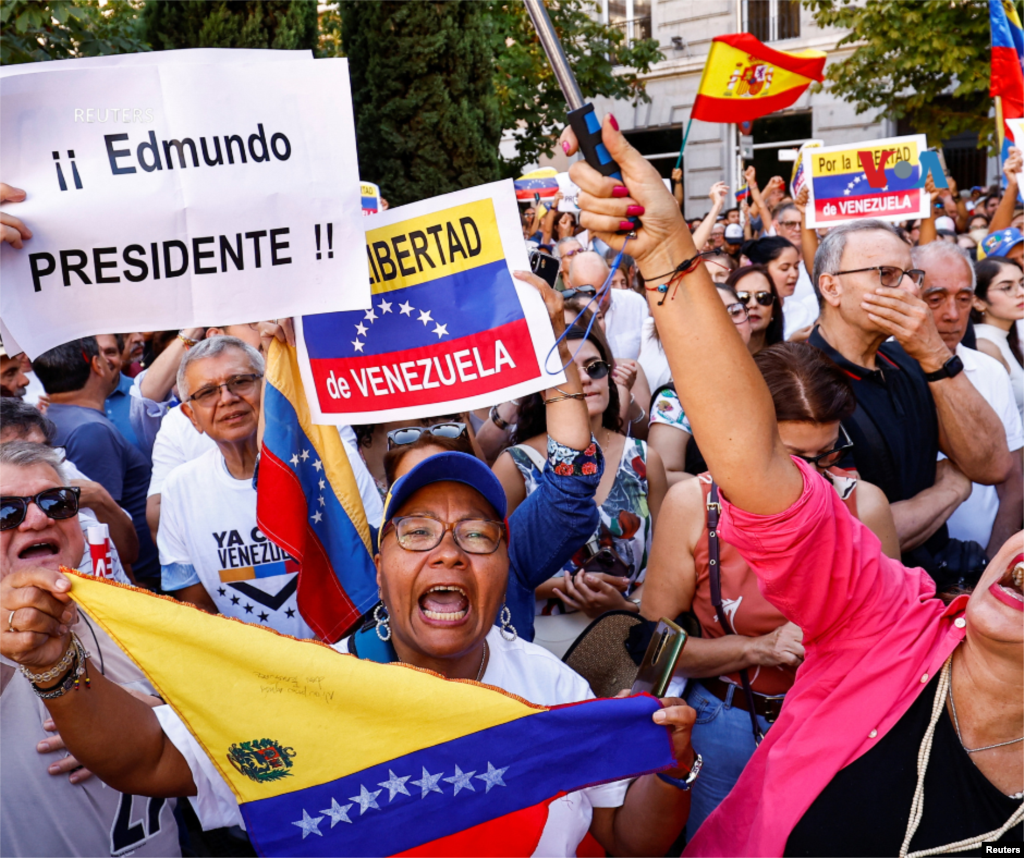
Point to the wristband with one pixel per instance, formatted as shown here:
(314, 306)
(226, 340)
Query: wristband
(186, 340)
(496, 419)
(684, 783)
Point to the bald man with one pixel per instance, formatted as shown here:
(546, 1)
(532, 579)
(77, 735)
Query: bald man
(624, 311)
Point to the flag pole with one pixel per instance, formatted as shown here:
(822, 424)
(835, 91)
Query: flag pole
(679, 160)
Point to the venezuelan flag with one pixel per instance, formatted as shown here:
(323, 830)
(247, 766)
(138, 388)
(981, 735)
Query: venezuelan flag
(328, 754)
(445, 320)
(744, 79)
(1007, 83)
(307, 501)
(542, 181)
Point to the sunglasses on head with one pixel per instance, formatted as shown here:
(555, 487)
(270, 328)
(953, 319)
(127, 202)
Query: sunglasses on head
(597, 369)
(765, 299)
(58, 503)
(411, 434)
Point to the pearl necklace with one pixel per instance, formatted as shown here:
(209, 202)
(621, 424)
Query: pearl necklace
(917, 807)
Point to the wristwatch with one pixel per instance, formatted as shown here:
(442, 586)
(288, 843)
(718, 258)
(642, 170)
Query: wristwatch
(954, 366)
(685, 783)
(496, 419)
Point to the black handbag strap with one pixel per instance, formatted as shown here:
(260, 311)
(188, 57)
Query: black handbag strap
(714, 512)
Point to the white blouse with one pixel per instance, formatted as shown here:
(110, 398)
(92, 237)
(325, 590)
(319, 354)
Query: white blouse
(999, 338)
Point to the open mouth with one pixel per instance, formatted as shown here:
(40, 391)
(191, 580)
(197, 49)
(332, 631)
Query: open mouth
(45, 548)
(445, 603)
(1009, 589)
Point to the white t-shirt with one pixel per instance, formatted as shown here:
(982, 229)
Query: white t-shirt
(801, 308)
(208, 521)
(87, 518)
(518, 667)
(177, 442)
(652, 357)
(974, 518)
(624, 322)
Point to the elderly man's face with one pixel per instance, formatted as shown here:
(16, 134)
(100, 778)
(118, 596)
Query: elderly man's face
(228, 417)
(948, 294)
(446, 623)
(38, 540)
(12, 375)
(568, 251)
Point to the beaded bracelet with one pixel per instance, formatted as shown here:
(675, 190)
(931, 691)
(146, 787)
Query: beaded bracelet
(78, 662)
(564, 396)
(58, 669)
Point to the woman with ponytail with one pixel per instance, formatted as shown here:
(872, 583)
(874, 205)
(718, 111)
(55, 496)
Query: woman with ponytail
(998, 305)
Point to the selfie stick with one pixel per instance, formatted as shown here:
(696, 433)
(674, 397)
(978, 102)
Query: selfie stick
(582, 118)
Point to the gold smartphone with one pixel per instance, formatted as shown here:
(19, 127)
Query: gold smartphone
(660, 659)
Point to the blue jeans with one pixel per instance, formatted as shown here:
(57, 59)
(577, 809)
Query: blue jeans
(724, 738)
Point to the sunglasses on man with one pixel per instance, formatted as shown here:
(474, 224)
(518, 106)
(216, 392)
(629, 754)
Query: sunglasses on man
(411, 434)
(57, 503)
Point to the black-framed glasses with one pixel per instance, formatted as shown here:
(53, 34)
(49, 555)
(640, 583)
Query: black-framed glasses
(738, 313)
(889, 275)
(411, 434)
(597, 369)
(57, 503)
(424, 533)
(831, 457)
(765, 299)
(240, 385)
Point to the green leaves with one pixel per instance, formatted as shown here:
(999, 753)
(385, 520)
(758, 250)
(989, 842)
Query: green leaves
(278, 24)
(39, 30)
(926, 62)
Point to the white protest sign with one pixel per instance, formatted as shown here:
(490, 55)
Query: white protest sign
(1017, 129)
(209, 213)
(450, 329)
(185, 55)
(570, 193)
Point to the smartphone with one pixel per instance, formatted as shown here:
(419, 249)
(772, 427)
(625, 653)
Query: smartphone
(545, 266)
(660, 659)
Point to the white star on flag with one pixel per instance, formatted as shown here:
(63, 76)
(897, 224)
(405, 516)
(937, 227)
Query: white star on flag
(358, 345)
(366, 799)
(406, 308)
(461, 780)
(395, 785)
(428, 783)
(317, 517)
(322, 501)
(492, 778)
(441, 330)
(337, 813)
(309, 824)
(305, 455)
(318, 465)
(384, 307)
(294, 460)
(370, 315)
(361, 330)
(425, 317)
(323, 485)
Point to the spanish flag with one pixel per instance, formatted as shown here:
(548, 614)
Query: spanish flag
(744, 79)
(307, 502)
(331, 755)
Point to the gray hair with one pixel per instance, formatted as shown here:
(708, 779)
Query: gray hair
(25, 454)
(213, 347)
(944, 252)
(566, 240)
(829, 257)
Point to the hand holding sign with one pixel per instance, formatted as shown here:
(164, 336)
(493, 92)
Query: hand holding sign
(13, 230)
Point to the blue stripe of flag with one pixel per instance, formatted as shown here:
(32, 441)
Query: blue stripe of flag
(1001, 28)
(541, 755)
(835, 186)
(346, 551)
(466, 303)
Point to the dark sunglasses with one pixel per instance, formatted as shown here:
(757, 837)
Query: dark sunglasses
(58, 504)
(831, 457)
(411, 434)
(765, 299)
(597, 369)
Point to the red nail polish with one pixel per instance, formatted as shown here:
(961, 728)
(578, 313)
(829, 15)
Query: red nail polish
(565, 146)
(620, 191)
(611, 120)
(634, 210)
(625, 225)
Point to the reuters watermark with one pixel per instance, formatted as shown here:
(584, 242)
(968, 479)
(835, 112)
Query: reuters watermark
(117, 115)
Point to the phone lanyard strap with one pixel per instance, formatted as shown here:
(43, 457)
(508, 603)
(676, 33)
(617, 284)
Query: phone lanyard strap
(714, 513)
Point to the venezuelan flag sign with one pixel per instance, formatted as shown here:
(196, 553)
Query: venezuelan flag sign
(882, 179)
(370, 195)
(543, 182)
(1007, 83)
(331, 755)
(449, 328)
(307, 502)
(744, 79)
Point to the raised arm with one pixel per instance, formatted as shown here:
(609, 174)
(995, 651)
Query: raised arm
(808, 237)
(703, 232)
(720, 387)
(1003, 215)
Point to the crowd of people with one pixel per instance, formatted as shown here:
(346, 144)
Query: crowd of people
(826, 479)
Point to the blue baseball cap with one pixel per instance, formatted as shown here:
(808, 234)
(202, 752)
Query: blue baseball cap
(444, 468)
(1000, 242)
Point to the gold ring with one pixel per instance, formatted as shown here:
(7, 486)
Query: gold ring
(10, 621)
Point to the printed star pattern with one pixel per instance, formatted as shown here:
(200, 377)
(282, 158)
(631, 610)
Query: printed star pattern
(404, 309)
(395, 785)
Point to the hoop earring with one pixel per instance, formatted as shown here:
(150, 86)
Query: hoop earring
(508, 631)
(380, 614)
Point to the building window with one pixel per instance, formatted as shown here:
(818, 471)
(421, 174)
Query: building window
(633, 17)
(772, 20)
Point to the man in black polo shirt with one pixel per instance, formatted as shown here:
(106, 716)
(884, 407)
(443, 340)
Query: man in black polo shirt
(912, 399)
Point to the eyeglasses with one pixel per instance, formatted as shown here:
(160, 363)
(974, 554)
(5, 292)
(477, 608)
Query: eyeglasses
(831, 457)
(889, 275)
(765, 299)
(1008, 289)
(240, 385)
(789, 224)
(411, 434)
(58, 504)
(424, 533)
(738, 313)
(569, 254)
(597, 369)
